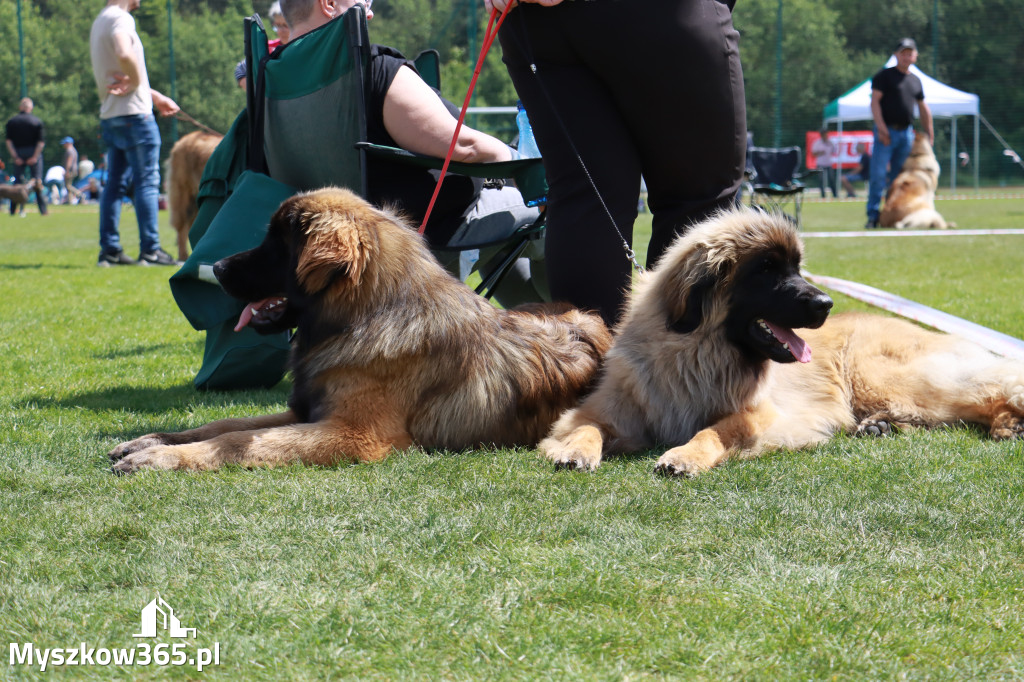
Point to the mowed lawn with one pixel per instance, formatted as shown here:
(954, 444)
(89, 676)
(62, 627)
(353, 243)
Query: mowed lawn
(860, 559)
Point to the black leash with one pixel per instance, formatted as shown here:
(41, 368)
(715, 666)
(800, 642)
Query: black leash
(182, 116)
(527, 49)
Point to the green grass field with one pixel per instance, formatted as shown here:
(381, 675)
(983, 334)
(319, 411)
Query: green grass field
(857, 560)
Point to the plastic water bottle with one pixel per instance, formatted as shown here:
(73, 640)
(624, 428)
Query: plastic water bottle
(467, 260)
(527, 145)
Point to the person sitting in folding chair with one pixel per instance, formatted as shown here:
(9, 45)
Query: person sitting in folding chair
(403, 111)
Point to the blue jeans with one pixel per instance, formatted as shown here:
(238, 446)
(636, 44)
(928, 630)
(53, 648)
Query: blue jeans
(886, 163)
(133, 155)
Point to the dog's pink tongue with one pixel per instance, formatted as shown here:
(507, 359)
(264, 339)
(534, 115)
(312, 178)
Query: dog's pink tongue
(797, 346)
(247, 313)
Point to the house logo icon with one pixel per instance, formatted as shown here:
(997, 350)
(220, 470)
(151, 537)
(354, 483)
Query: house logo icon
(159, 612)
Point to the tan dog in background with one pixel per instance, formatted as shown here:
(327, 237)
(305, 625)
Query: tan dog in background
(706, 362)
(18, 194)
(390, 351)
(910, 200)
(185, 168)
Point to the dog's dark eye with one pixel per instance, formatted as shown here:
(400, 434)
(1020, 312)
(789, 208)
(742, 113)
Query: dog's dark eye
(769, 264)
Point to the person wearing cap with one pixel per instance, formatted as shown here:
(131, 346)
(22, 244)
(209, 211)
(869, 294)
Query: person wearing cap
(241, 72)
(894, 93)
(69, 161)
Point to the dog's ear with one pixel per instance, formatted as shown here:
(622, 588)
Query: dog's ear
(688, 310)
(334, 246)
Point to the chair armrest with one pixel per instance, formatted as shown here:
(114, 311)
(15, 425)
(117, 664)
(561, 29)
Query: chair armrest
(527, 173)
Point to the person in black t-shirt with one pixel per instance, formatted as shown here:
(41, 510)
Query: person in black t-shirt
(403, 111)
(25, 141)
(894, 93)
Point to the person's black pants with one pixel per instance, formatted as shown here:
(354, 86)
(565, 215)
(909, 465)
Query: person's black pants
(632, 86)
(25, 172)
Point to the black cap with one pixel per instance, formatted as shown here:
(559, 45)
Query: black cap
(906, 44)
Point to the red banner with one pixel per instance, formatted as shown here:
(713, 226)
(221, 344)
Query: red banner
(844, 148)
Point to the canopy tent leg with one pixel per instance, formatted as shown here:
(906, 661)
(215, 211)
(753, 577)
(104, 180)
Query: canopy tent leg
(952, 156)
(977, 159)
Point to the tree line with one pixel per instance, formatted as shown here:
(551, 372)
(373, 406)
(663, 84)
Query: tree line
(824, 48)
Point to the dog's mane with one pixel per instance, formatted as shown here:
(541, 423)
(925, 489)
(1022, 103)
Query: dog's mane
(703, 376)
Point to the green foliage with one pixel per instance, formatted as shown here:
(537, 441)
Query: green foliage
(827, 48)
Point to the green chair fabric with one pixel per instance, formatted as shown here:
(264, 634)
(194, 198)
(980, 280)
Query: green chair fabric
(314, 109)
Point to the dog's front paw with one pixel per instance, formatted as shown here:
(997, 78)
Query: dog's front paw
(157, 457)
(568, 456)
(675, 463)
(140, 443)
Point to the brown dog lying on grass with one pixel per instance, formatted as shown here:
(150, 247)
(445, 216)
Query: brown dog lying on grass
(390, 351)
(706, 362)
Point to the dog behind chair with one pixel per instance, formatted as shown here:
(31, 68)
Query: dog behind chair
(185, 169)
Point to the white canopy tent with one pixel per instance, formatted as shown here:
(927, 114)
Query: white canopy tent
(943, 101)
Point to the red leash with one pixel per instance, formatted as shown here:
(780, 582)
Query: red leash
(489, 36)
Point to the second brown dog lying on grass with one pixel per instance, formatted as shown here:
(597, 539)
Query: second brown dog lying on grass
(390, 350)
(707, 362)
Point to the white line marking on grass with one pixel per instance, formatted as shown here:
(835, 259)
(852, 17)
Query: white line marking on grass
(887, 232)
(997, 342)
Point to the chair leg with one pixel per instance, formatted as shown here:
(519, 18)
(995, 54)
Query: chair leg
(493, 278)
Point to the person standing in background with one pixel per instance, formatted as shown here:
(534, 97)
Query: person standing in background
(26, 137)
(129, 129)
(69, 161)
(824, 160)
(615, 91)
(894, 93)
(863, 172)
(279, 26)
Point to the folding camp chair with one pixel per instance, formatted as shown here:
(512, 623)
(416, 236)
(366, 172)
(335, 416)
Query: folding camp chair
(302, 101)
(775, 182)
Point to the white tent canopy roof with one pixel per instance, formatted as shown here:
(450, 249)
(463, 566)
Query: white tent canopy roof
(943, 100)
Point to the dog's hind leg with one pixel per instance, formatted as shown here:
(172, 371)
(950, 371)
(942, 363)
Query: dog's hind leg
(202, 433)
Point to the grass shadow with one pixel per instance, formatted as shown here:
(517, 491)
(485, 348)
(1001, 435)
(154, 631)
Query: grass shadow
(138, 351)
(38, 266)
(147, 400)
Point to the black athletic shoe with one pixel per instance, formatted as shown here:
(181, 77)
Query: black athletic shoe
(110, 258)
(158, 257)
(871, 225)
